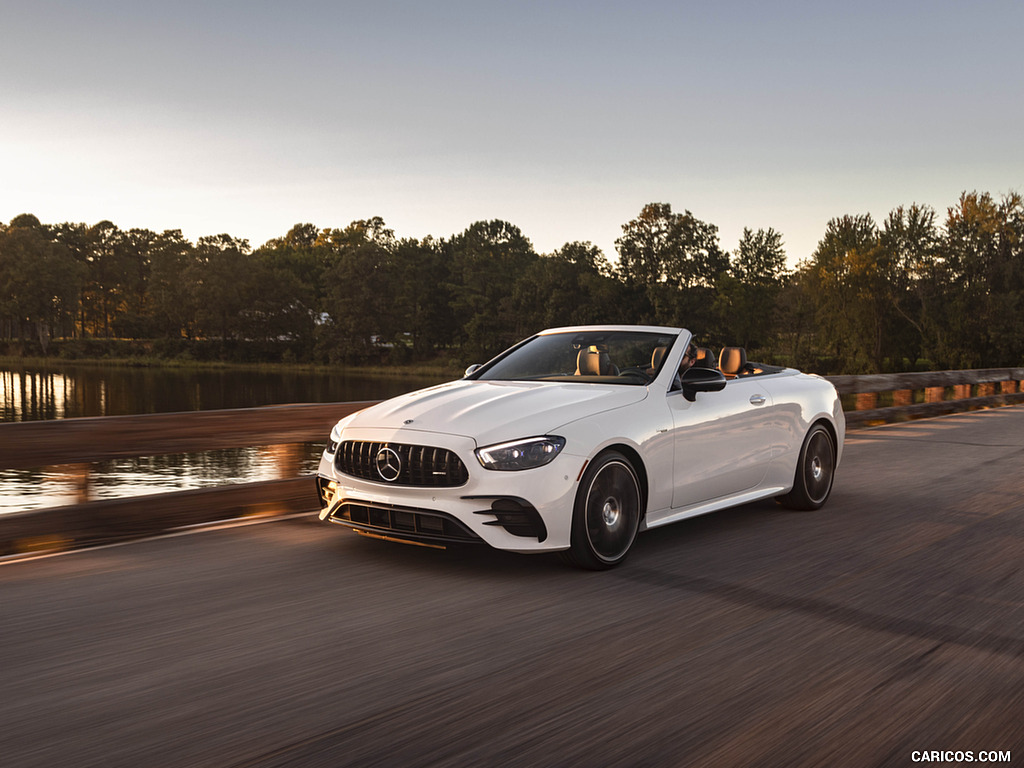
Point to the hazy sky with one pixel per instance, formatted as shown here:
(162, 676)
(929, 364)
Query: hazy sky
(564, 118)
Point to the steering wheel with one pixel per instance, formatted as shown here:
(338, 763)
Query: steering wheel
(635, 372)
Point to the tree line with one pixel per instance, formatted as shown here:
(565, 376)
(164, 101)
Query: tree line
(914, 291)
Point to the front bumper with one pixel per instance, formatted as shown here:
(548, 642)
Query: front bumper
(391, 521)
(526, 511)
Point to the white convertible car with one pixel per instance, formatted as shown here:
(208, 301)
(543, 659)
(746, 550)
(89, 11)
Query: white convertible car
(576, 439)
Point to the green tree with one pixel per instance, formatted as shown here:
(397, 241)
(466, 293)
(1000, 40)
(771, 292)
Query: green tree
(76, 239)
(746, 298)
(217, 276)
(485, 262)
(674, 260)
(913, 280)
(572, 286)
(278, 306)
(423, 295)
(359, 298)
(133, 316)
(297, 252)
(39, 281)
(676, 249)
(983, 254)
(796, 338)
(103, 291)
(299, 236)
(301, 265)
(843, 278)
(760, 258)
(173, 294)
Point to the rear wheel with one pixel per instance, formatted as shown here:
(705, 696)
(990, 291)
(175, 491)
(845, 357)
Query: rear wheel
(606, 515)
(814, 471)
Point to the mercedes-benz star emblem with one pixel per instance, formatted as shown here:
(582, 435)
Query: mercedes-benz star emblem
(389, 464)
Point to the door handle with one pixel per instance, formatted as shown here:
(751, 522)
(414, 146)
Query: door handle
(757, 400)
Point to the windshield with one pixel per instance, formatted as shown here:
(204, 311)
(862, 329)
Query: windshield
(606, 357)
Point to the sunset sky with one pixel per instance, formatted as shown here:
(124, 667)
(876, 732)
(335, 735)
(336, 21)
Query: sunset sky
(563, 118)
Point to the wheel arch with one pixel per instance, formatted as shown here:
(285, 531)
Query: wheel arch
(799, 496)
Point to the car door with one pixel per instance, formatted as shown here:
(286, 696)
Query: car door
(723, 441)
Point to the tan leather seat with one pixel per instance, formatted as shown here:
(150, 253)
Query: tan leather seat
(656, 357)
(593, 362)
(732, 361)
(705, 358)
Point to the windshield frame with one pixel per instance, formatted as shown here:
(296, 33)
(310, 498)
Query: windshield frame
(553, 356)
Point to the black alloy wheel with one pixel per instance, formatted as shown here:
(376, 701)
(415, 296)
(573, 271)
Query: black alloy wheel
(815, 471)
(606, 515)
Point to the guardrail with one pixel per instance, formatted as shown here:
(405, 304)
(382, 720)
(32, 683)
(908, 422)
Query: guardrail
(928, 393)
(74, 444)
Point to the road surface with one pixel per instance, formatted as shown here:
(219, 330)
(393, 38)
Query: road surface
(889, 623)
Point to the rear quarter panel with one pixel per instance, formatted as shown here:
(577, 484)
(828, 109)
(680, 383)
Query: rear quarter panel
(800, 400)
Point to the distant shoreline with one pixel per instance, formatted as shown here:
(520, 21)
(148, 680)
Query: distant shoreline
(399, 371)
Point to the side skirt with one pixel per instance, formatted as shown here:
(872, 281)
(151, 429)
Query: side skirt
(716, 504)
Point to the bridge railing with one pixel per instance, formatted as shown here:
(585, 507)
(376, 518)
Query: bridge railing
(74, 445)
(901, 396)
(71, 446)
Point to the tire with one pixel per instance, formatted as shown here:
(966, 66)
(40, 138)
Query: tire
(606, 514)
(815, 472)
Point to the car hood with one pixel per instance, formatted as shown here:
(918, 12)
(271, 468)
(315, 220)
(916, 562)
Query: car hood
(493, 411)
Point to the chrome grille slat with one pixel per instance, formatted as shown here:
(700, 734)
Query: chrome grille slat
(422, 466)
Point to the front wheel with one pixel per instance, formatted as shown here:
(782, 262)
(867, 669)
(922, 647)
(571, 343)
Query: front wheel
(606, 515)
(814, 471)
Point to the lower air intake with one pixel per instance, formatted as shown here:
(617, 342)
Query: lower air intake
(403, 523)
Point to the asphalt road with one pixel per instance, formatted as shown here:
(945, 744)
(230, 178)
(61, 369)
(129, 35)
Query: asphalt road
(890, 622)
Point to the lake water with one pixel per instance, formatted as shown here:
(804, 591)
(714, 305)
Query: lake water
(67, 390)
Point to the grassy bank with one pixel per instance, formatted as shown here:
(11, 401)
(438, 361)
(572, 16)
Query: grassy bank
(437, 368)
(235, 354)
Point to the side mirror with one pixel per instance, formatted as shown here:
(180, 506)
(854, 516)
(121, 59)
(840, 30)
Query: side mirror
(473, 369)
(702, 380)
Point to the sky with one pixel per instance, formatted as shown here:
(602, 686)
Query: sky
(563, 118)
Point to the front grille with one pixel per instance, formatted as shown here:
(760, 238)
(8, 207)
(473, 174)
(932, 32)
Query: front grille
(418, 465)
(403, 522)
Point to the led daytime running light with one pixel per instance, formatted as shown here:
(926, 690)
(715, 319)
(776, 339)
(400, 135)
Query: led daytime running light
(520, 454)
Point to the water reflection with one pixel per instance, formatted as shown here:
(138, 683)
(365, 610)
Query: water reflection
(66, 391)
(54, 486)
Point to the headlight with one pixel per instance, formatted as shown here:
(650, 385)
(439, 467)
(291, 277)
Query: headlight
(521, 454)
(332, 444)
(335, 439)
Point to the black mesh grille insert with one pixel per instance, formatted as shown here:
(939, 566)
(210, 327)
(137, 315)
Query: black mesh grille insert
(403, 523)
(399, 464)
